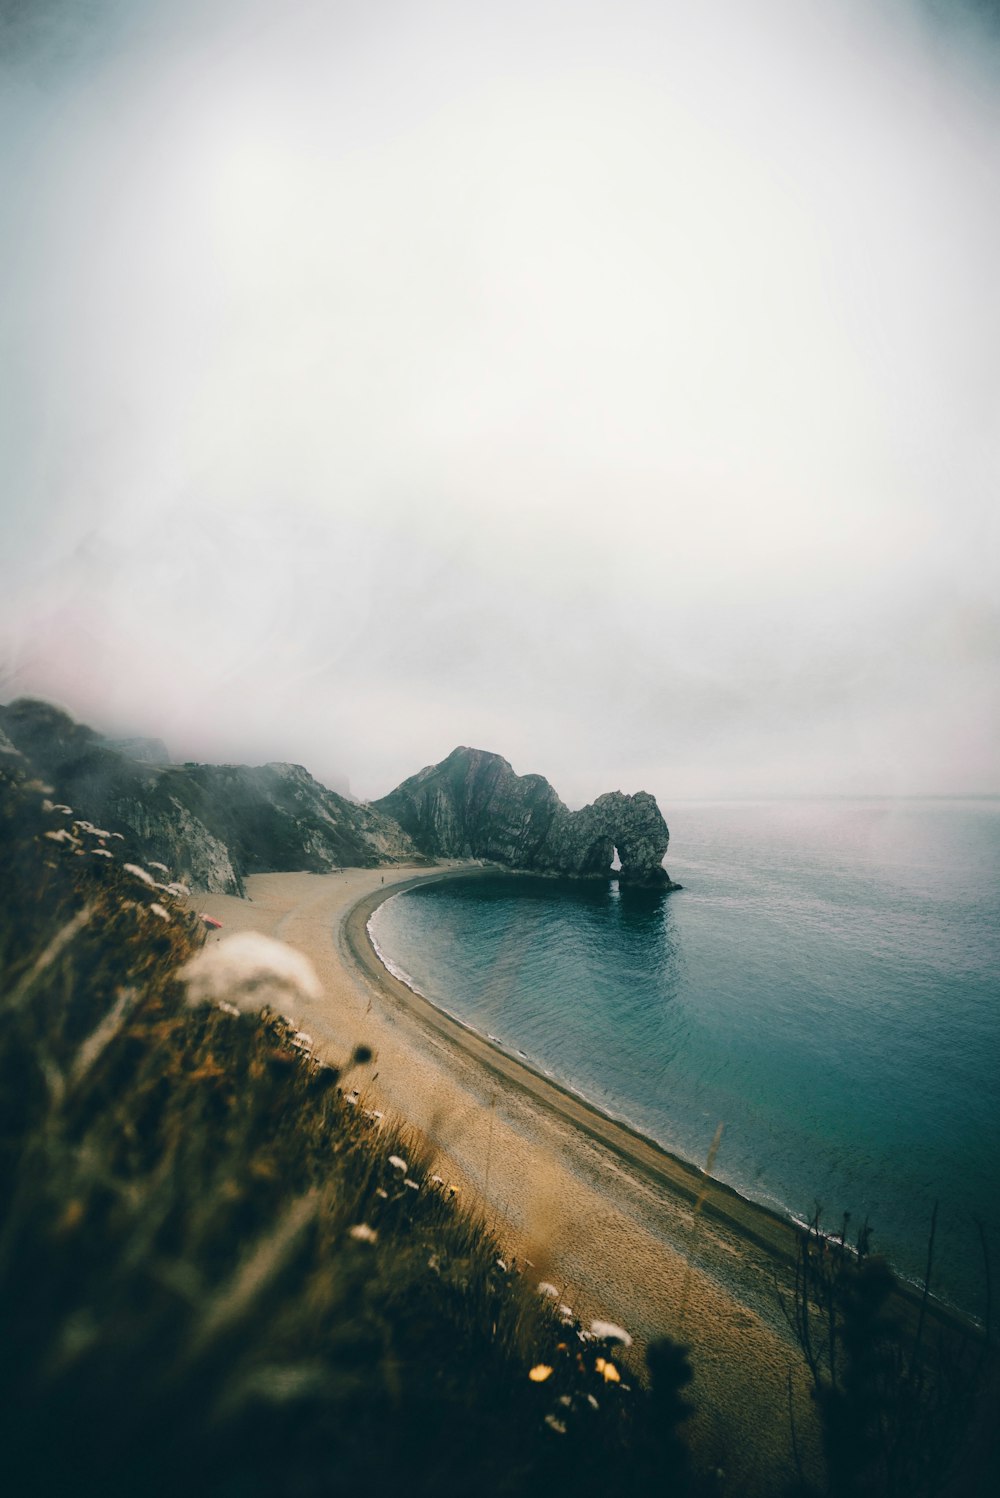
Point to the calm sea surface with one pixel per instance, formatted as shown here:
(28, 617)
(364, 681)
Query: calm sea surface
(826, 986)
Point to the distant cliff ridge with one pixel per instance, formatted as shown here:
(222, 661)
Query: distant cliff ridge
(146, 751)
(210, 824)
(473, 805)
(214, 824)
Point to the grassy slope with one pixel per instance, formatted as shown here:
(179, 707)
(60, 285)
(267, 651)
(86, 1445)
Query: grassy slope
(183, 1304)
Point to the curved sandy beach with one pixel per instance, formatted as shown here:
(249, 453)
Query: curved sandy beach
(603, 1213)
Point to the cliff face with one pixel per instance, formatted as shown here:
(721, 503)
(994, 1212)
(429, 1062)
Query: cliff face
(214, 824)
(472, 804)
(210, 824)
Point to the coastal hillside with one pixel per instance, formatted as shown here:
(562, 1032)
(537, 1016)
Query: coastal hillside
(211, 824)
(224, 1272)
(473, 804)
(215, 824)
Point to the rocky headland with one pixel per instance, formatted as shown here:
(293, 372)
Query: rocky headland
(473, 805)
(213, 825)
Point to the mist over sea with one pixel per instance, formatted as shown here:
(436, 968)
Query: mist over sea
(826, 986)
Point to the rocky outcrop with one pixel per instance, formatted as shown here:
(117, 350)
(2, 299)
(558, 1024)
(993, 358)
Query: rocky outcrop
(210, 824)
(473, 805)
(172, 835)
(214, 824)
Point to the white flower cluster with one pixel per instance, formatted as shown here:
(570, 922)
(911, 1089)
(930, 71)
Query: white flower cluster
(249, 970)
(608, 1331)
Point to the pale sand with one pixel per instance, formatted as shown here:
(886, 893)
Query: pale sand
(601, 1212)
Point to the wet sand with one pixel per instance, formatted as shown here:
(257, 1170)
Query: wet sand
(625, 1230)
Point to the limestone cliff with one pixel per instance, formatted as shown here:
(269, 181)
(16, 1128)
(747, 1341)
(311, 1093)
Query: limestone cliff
(473, 804)
(210, 824)
(214, 824)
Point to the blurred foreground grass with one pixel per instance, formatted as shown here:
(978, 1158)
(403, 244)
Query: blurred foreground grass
(219, 1271)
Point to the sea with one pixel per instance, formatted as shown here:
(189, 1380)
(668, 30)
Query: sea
(826, 987)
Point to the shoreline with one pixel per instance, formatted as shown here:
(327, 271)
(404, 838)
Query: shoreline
(770, 1231)
(576, 1197)
(619, 1242)
(775, 1232)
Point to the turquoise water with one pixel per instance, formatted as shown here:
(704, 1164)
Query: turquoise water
(826, 986)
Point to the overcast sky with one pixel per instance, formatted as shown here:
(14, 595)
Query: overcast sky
(612, 385)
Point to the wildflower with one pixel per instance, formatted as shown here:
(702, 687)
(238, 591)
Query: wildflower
(539, 1373)
(351, 1101)
(398, 1163)
(159, 910)
(501, 1265)
(592, 1402)
(161, 866)
(413, 1185)
(101, 853)
(177, 889)
(438, 1180)
(607, 1331)
(564, 1400)
(228, 1008)
(251, 971)
(566, 1314)
(556, 1425)
(608, 1371)
(548, 1289)
(362, 1233)
(383, 1194)
(62, 836)
(140, 874)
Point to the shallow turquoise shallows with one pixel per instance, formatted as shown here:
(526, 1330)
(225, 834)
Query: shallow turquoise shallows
(827, 986)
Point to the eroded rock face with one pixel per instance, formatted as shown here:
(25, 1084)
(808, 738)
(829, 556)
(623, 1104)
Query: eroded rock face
(172, 835)
(473, 805)
(214, 824)
(210, 824)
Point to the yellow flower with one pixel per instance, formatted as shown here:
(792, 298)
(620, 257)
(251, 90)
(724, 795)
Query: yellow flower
(610, 1372)
(540, 1373)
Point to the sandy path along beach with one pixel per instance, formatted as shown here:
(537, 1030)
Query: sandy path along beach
(601, 1212)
